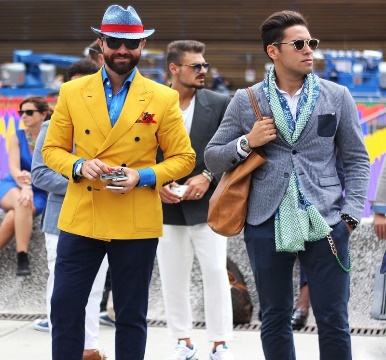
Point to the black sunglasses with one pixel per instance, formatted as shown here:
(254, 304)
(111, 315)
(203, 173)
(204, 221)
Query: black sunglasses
(299, 44)
(28, 112)
(115, 43)
(197, 67)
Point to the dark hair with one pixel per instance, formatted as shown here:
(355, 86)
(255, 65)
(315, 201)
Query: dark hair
(272, 29)
(94, 50)
(176, 49)
(40, 103)
(82, 67)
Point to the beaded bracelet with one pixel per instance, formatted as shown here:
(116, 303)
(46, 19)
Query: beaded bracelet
(207, 175)
(350, 220)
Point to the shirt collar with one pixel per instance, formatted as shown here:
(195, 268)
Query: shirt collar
(284, 92)
(129, 79)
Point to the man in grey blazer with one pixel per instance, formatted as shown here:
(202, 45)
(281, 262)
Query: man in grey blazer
(186, 231)
(296, 206)
(379, 209)
(56, 185)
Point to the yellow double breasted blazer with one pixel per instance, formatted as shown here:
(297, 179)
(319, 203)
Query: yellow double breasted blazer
(149, 118)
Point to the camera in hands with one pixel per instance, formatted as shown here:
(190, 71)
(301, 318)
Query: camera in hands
(115, 175)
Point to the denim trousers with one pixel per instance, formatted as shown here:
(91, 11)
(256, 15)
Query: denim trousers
(77, 263)
(329, 287)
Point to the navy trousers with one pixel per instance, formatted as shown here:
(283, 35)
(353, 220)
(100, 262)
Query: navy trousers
(78, 260)
(328, 285)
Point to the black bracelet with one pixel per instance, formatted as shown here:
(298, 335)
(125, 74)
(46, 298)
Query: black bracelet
(350, 220)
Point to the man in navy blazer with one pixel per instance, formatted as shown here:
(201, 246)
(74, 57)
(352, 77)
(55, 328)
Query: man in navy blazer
(295, 205)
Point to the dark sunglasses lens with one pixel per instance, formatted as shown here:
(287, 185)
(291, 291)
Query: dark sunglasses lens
(299, 44)
(206, 66)
(132, 44)
(313, 44)
(28, 112)
(114, 43)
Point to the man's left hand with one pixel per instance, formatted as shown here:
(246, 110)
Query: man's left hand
(197, 187)
(129, 184)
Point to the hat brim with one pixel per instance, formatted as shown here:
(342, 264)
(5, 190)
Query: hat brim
(121, 35)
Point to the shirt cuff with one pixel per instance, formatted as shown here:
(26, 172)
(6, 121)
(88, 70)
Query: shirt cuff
(379, 208)
(74, 176)
(240, 151)
(146, 177)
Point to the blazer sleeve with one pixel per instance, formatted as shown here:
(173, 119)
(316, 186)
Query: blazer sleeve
(221, 152)
(354, 156)
(42, 176)
(58, 144)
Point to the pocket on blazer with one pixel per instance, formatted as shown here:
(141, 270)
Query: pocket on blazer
(329, 181)
(327, 125)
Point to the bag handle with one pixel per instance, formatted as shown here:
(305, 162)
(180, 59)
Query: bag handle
(255, 105)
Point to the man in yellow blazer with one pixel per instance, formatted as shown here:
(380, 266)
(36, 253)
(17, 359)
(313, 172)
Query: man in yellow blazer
(113, 120)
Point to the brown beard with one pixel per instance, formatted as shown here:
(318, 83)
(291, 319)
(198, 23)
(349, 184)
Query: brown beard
(122, 68)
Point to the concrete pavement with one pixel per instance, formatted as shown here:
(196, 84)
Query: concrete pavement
(19, 341)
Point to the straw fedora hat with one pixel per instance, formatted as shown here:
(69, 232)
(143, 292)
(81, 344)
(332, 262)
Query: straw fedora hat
(122, 23)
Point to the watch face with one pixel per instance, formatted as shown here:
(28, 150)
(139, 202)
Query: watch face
(244, 144)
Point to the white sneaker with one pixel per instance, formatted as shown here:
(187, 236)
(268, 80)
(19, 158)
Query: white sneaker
(41, 325)
(183, 352)
(221, 353)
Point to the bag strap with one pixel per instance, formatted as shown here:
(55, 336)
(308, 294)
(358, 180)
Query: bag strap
(255, 105)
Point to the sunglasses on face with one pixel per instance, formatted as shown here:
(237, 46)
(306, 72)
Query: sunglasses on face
(299, 44)
(115, 43)
(27, 112)
(197, 67)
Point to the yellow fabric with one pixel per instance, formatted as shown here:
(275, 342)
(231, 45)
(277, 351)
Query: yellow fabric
(81, 117)
(375, 144)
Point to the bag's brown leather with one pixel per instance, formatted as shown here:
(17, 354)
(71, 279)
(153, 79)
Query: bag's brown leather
(228, 204)
(241, 301)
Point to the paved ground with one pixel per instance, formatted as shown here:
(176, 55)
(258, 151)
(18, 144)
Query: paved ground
(19, 341)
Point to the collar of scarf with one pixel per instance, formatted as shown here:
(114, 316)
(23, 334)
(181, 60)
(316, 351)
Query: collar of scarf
(296, 219)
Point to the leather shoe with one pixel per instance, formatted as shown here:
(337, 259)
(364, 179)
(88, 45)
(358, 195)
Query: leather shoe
(96, 355)
(299, 319)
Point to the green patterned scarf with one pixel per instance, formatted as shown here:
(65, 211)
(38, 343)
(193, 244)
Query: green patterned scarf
(296, 219)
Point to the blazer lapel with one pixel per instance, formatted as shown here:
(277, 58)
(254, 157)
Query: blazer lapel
(202, 110)
(95, 100)
(136, 101)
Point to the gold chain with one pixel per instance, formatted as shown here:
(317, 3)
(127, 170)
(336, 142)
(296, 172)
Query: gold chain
(335, 253)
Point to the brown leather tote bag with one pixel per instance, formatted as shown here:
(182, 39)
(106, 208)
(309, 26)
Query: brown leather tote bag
(229, 202)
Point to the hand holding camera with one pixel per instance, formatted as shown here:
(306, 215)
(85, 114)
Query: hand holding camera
(114, 175)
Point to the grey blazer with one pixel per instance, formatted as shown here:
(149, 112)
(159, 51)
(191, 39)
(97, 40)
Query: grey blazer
(333, 127)
(46, 179)
(379, 204)
(208, 112)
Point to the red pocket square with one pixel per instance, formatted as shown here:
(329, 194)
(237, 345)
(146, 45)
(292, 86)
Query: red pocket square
(146, 118)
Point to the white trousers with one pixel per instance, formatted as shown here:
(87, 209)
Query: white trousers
(94, 300)
(175, 259)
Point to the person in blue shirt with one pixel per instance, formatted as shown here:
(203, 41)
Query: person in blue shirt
(18, 196)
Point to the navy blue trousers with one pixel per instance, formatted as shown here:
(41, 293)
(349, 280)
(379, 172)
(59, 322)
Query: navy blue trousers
(328, 285)
(78, 260)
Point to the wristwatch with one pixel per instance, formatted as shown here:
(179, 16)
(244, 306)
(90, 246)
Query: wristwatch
(244, 144)
(350, 220)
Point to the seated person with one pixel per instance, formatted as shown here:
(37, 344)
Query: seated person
(18, 196)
